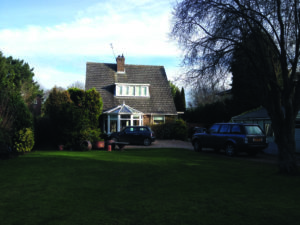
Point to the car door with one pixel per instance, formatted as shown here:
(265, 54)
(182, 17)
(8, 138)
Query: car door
(222, 136)
(137, 135)
(127, 135)
(208, 141)
(141, 134)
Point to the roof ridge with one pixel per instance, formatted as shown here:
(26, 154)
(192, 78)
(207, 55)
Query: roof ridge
(125, 64)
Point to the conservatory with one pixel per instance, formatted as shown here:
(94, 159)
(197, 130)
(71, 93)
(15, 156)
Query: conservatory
(121, 116)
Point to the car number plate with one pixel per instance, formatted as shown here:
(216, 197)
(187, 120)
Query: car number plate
(257, 139)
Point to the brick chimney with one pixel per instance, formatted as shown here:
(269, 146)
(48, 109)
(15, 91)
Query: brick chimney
(121, 64)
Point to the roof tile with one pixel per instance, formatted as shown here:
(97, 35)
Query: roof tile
(103, 76)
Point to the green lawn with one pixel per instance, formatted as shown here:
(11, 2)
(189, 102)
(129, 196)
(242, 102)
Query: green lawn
(144, 186)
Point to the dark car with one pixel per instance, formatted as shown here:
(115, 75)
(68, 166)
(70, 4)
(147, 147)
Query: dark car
(134, 135)
(198, 130)
(232, 137)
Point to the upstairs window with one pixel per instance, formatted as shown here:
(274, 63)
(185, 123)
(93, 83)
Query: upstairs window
(132, 90)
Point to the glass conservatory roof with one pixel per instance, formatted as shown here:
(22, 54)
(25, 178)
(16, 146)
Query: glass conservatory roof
(123, 109)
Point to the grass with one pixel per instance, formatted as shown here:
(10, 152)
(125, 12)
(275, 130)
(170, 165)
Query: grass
(144, 186)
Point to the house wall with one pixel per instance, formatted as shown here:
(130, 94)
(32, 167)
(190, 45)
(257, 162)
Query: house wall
(36, 106)
(148, 119)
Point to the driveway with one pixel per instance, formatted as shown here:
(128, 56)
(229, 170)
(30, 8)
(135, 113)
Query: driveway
(166, 144)
(261, 157)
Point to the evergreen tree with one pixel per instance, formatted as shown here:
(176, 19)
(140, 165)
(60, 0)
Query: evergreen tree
(17, 91)
(183, 103)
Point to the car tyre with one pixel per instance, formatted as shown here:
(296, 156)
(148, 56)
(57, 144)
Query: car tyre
(230, 149)
(147, 142)
(197, 146)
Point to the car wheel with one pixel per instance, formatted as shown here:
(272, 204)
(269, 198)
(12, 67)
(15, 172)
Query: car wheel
(147, 142)
(197, 146)
(230, 149)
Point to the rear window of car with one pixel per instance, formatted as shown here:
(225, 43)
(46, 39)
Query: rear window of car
(253, 130)
(143, 129)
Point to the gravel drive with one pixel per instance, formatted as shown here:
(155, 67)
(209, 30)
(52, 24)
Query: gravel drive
(261, 157)
(166, 144)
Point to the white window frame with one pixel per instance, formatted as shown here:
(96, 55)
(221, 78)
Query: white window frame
(163, 120)
(132, 90)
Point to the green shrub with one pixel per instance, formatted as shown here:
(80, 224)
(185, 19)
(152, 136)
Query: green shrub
(24, 140)
(180, 130)
(90, 134)
(171, 130)
(162, 131)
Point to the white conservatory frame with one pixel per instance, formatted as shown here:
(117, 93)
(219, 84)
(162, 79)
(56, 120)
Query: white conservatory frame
(123, 115)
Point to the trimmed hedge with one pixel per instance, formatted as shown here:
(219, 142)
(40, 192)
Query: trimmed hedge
(171, 130)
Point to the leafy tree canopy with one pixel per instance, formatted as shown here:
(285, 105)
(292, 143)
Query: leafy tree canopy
(18, 76)
(251, 65)
(178, 97)
(72, 113)
(17, 91)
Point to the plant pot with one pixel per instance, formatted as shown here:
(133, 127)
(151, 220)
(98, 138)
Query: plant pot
(86, 145)
(99, 144)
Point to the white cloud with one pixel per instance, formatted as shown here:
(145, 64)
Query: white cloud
(136, 28)
(49, 77)
(141, 34)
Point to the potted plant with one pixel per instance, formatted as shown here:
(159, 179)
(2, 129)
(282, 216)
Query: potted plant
(98, 142)
(93, 136)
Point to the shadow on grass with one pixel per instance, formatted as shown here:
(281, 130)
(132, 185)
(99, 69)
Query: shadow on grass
(157, 186)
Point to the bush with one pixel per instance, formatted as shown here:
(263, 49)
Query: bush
(24, 140)
(180, 130)
(90, 134)
(171, 130)
(74, 116)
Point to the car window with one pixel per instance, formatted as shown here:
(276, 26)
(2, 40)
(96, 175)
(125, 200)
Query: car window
(254, 130)
(214, 128)
(143, 129)
(130, 129)
(236, 129)
(224, 129)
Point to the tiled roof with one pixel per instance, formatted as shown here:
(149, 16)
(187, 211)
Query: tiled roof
(257, 114)
(260, 113)
(103, 76)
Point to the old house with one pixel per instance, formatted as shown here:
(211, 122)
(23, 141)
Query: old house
(131, 94)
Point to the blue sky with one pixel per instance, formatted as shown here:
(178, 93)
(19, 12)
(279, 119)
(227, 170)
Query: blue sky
(58, 37)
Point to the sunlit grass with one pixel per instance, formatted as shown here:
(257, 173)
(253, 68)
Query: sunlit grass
(144, 186)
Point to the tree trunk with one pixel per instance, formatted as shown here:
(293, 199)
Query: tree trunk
(285, 140)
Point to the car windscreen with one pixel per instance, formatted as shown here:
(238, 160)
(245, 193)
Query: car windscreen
(253, 130)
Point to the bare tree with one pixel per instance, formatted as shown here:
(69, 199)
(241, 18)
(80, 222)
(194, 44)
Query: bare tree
(77, 84)
(209, 30)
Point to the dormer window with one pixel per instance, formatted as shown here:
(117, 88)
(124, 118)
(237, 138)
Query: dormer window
(132, 90)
